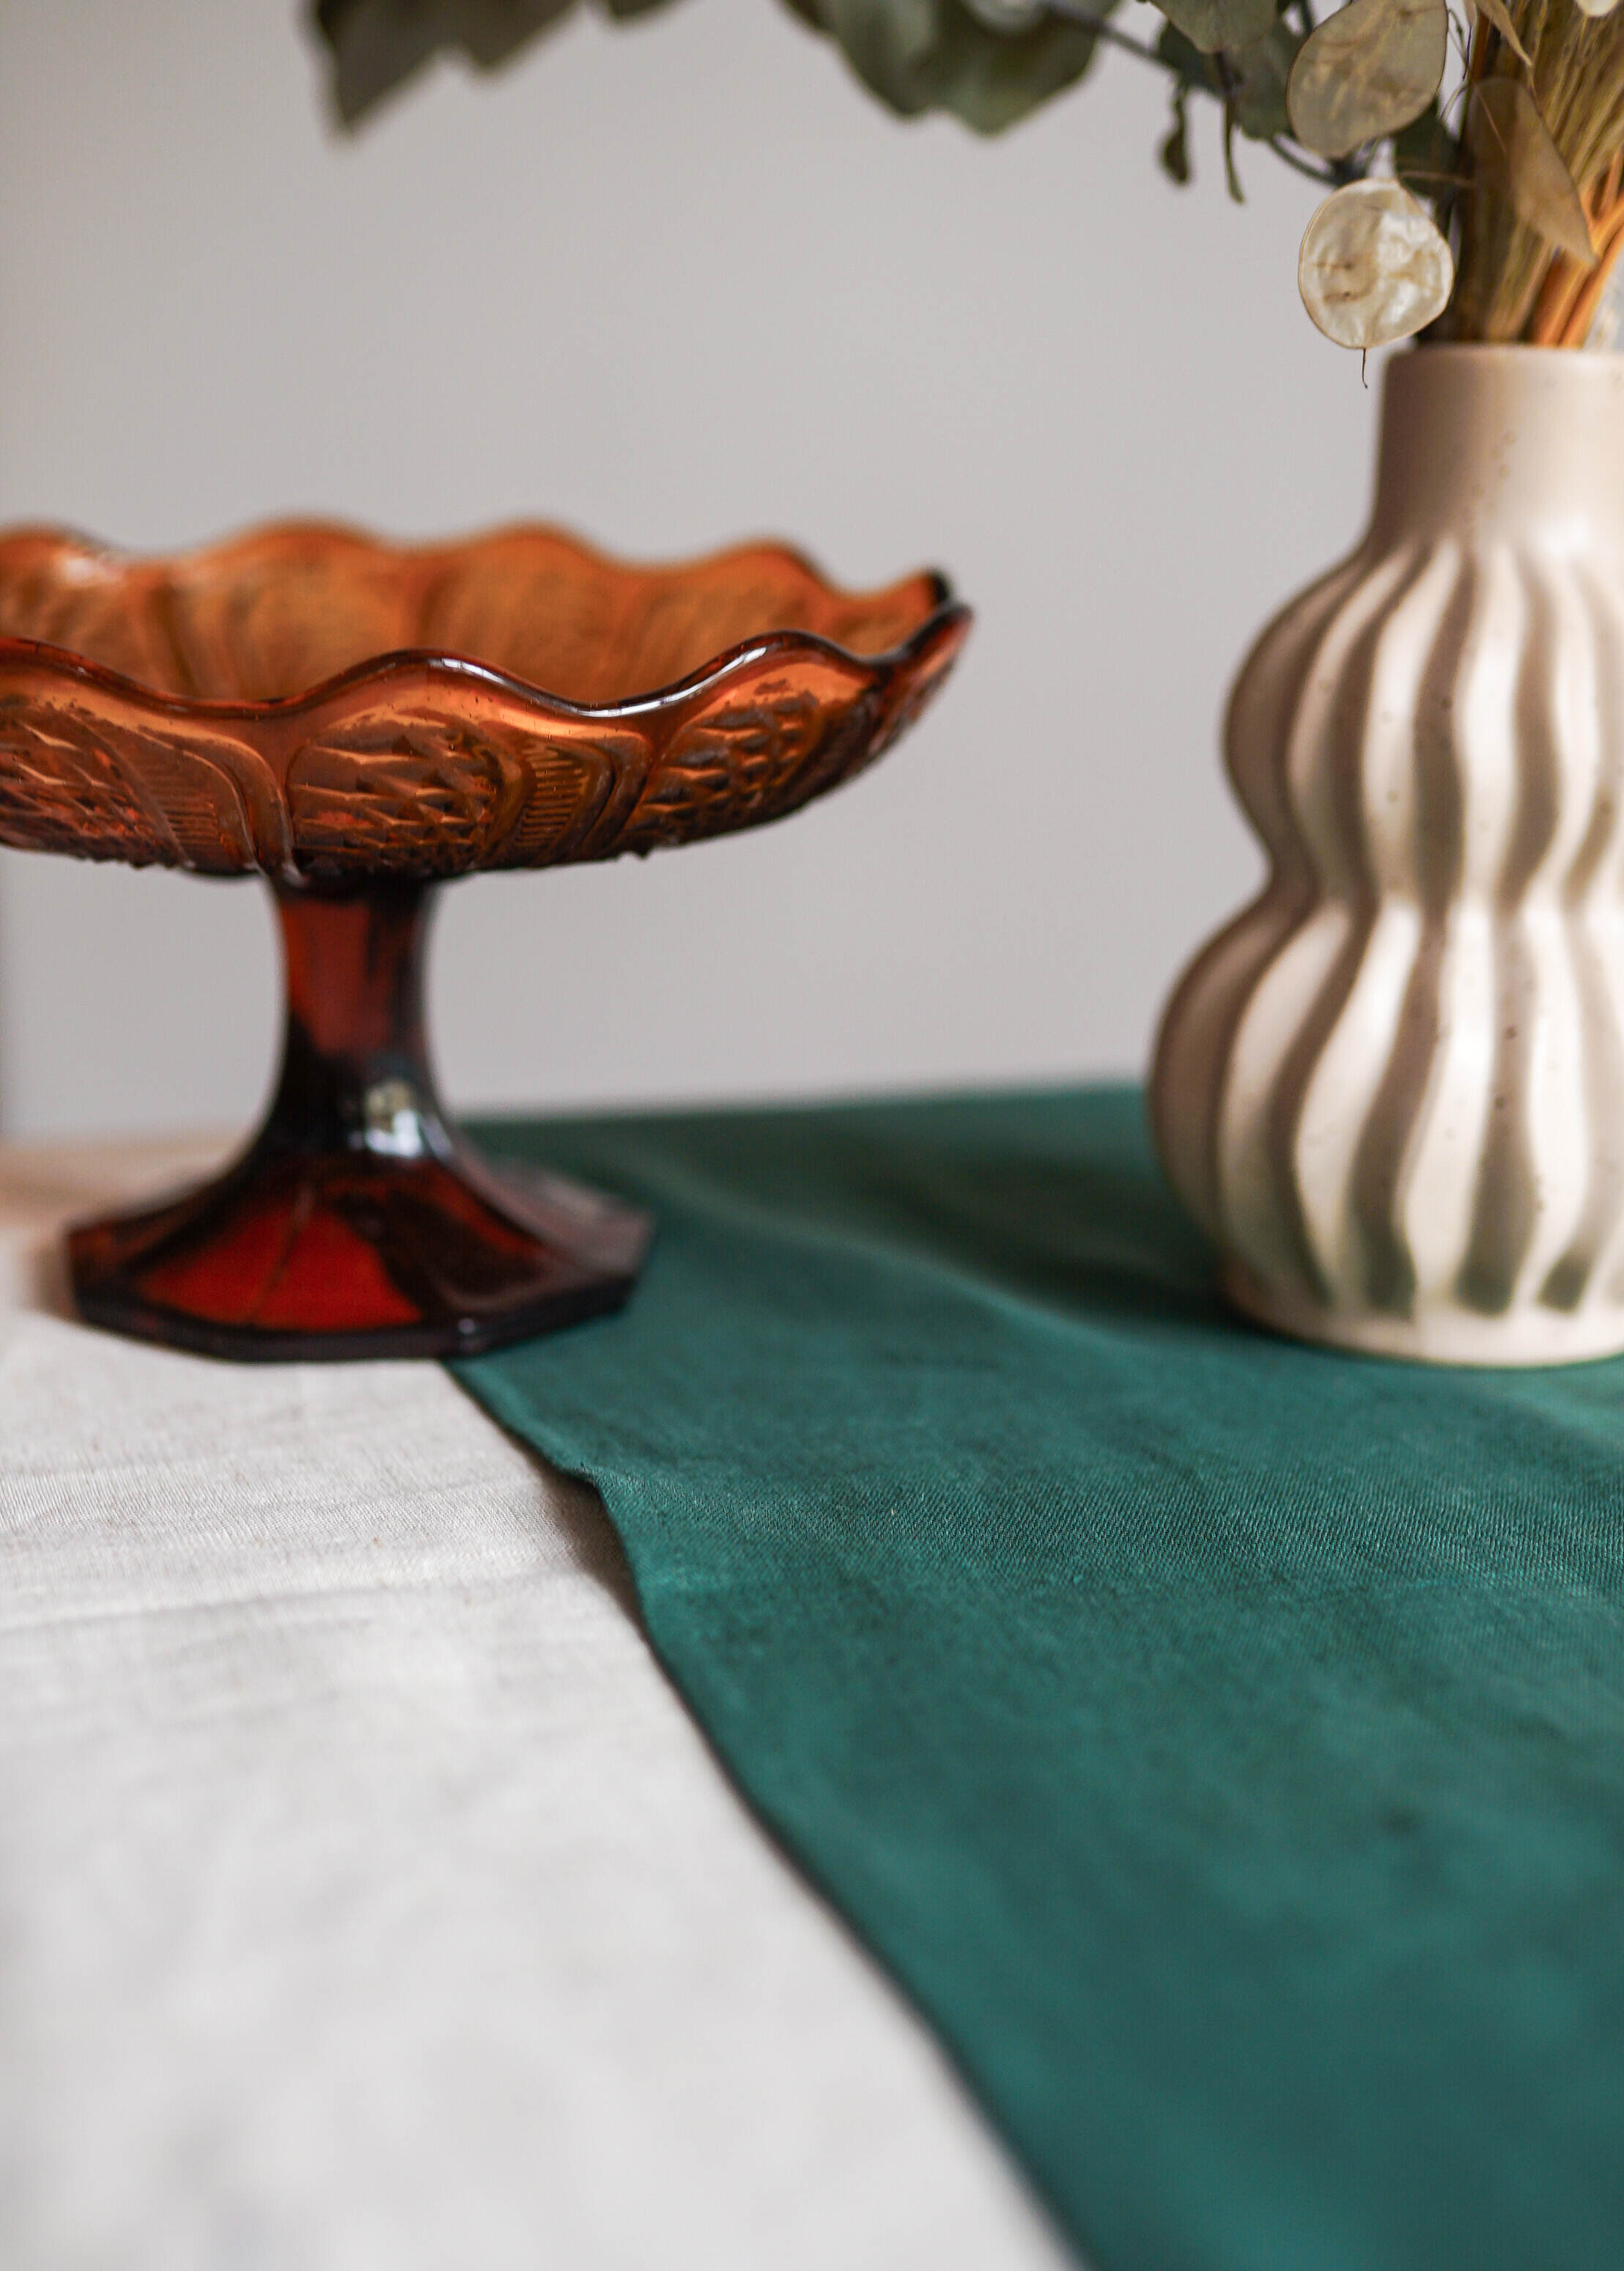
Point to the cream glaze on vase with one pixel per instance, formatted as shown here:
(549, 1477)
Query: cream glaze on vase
(1392, 1090)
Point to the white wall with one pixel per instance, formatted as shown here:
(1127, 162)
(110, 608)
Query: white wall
(674, 284)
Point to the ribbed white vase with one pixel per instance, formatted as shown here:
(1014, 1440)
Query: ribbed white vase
(1393, 1088)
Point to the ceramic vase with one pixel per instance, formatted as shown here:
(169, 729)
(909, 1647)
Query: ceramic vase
(1392, 1090)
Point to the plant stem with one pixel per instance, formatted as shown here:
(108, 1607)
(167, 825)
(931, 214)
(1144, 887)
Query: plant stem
(1305, 166)
(1330, 176)
(1087, 21)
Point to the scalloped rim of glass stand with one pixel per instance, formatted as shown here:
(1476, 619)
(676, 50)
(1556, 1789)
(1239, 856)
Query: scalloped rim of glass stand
(935, 596)
(891, 682)
(403, 661)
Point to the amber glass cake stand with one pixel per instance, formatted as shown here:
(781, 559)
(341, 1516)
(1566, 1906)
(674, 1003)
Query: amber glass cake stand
(357, 722)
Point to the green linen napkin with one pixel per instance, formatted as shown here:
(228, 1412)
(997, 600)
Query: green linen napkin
(1221, 1740)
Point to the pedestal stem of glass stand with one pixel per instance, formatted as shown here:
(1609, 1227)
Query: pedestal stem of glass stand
(355, 1073)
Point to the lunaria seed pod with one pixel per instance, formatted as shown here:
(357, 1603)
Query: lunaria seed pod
(1373, 266)
(1497, 13)
(1517, 159)
(1365, 72)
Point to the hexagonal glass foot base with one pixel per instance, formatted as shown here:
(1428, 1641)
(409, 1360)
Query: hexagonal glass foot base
(358, 1223)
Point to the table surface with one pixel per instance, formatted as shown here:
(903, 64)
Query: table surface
(366, 1895)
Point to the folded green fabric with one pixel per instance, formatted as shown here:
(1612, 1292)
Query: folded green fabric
(1221, 1740)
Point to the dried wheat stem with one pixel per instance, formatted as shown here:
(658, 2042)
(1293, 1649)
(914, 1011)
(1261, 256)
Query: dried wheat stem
(1570, 294)
(1582, 314)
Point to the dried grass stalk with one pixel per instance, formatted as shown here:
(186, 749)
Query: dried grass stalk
(1571, 292)
(1511, 282)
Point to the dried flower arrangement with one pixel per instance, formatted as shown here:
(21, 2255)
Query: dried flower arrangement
(1485, 203)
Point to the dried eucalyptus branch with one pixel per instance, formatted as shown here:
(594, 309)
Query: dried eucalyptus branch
(1503, 196)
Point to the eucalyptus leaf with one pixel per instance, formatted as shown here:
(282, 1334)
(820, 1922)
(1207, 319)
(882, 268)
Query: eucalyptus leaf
(1006, 15)
(937, 54)
(1426, 155)
(1367, 72)
(1173, 150)
(1516, 159)
(1258, 78)
(1496, 13)
(1373, 266)
(1251, 84)
(1188, 64)
(1231, 175)
(1209, 25)
(376, 45)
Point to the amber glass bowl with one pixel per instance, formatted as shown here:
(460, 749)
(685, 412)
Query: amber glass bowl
(357, 722)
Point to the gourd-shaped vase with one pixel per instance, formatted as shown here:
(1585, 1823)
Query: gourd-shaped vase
(1392, 1090)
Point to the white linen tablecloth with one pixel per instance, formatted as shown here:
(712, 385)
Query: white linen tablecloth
(366, 1896)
